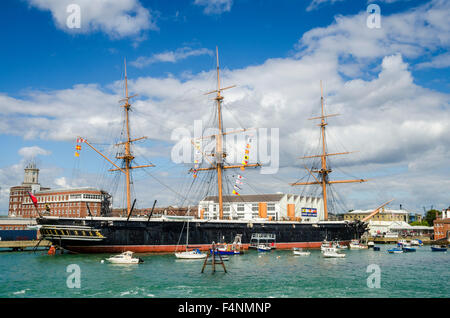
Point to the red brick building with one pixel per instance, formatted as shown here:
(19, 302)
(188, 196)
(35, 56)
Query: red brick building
(442, 225)
(59, 202)
(67, 203)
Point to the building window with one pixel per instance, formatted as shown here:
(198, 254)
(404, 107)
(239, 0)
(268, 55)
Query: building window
(255, 207)
(271, 207)
(240, 208)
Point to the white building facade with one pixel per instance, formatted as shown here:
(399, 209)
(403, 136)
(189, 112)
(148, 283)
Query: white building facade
(277, 207)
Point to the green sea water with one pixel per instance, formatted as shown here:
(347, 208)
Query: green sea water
(275, 274)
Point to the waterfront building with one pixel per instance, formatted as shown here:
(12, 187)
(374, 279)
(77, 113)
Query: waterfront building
(442, 225)
(67, 203)
(384, 215)
(18, 194)
(278, 207)
(397, 229)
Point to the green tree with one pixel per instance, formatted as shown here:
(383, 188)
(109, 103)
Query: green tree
(430, 216)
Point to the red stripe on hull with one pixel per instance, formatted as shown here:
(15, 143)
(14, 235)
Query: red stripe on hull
(174, 248)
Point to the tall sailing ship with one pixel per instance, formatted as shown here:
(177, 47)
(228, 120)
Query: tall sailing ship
(161, 234)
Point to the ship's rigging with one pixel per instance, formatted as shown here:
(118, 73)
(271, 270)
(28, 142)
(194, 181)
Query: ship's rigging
(324, 171)
(218, 163)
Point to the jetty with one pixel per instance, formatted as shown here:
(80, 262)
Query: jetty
(22, 245)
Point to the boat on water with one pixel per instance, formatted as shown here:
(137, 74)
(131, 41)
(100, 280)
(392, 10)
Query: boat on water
(300, 252)
(403, 243)
(357, 245)
(416, 242)
(395, 250)
(263, 248)
(125, 258)
(376, 248)
(193, 254)
(439, 248)
(105, 234)
(370, 244)
(331, 252)
(231, 249)
(408, 249)
(339, 247)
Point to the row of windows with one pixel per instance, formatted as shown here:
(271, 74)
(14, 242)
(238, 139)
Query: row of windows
(11, 228)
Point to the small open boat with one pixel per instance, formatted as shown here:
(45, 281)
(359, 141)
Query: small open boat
(437, 248)
(300, 252)
(331, 252)
(408, 249)
(376, 248)
(395, 250)
(125, 258)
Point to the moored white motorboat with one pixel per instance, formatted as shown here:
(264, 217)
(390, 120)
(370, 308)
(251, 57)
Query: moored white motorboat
(300, 252)
(332, 252)
(124, 258)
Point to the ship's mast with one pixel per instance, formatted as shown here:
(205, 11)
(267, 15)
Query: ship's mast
(323, 173)
(219, 154)
(127, 156)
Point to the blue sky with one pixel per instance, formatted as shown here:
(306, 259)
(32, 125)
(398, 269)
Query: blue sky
(52, 74)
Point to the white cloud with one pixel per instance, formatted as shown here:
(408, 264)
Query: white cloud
(412, 33)
(32, 152)
(118, 19)
(439, 61)
(170, 56)
(315, 4)
(215, 6)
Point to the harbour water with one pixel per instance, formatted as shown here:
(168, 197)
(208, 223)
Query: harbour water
(275, 274)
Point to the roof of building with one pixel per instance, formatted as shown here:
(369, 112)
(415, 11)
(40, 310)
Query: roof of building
(247, 198)
(270, 197)
(386, 211)
(68, 190)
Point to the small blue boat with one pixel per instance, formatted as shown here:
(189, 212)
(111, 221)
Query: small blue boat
(438, 248)
(263, 248)
(395, 250)
(408, 249)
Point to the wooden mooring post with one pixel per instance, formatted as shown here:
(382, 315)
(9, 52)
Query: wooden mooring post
(213, 262)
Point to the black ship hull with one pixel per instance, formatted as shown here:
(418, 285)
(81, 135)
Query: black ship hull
(110, 235)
